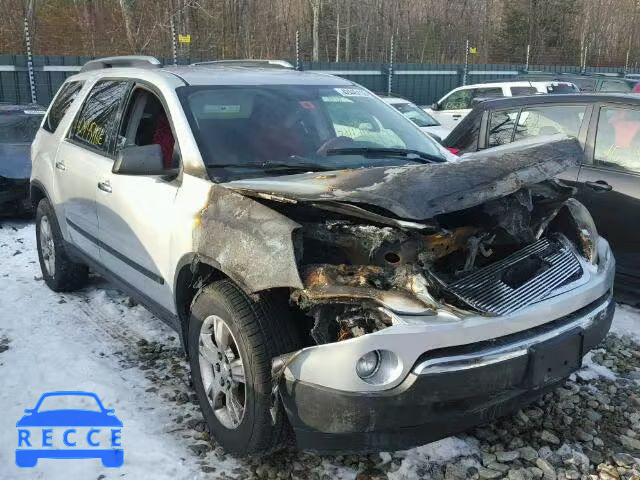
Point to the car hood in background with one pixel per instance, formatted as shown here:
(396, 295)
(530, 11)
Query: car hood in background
(438, 130)
(15, 160)
(420, 192)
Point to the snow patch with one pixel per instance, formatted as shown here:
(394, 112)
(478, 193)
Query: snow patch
(437, 452)
(626, 321)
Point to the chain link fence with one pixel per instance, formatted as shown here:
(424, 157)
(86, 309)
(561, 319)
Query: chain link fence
(31, 77)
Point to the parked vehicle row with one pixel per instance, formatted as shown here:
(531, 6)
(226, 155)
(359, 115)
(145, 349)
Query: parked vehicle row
(456, 104)
(608, 176)
(313, 247)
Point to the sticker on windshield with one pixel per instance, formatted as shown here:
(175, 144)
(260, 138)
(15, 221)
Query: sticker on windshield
(352, 92)
(221, 109)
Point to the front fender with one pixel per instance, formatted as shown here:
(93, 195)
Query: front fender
(247, 241)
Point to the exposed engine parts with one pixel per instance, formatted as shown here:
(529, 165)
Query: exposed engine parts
(493, 259)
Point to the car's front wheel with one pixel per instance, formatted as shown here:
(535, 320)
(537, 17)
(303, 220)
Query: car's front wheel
(232, 340)
(60, 273)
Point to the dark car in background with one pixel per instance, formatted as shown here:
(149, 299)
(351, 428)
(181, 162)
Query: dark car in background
(18, 126)
(608, 178)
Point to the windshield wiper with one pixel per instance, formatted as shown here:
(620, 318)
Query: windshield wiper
(413, 155)
(293, 165)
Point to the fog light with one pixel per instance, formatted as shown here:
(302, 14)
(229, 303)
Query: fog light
(368, 364)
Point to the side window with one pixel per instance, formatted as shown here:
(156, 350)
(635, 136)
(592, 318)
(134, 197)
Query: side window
(459, 100)
(64, 99)
(615, 86)
(585, 84)
(466, 137)
(516, 91)
(550, 120)
(97, 123)
(501, 125)
(489, 92)
(146, 123)
(618, 139)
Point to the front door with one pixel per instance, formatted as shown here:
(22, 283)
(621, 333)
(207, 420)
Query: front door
(135, 212)
(609, 182)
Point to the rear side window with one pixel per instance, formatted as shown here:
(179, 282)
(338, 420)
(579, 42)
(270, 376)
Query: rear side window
(585, 84)
(64, 99)
(501, 125)
(615, 86)
(97, 123)
(618, 139)
(516, 91)
(550, 120)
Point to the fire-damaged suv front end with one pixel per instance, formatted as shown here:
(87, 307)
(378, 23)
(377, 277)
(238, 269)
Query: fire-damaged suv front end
(434, 297)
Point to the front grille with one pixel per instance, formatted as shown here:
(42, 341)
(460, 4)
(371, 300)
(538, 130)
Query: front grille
(523, 278)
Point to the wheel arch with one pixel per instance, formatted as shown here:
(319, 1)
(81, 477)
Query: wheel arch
(193, 272)
(37, 192)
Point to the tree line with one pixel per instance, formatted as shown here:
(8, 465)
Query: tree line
(572, 32)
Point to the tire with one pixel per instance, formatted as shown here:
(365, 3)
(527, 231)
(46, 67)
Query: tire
(63, 274)
(261, 330)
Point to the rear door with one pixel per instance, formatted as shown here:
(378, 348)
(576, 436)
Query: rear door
(84, 157)
(609, 181)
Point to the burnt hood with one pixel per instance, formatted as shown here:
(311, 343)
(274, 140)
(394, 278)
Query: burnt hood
(418, 192)
(15, 161)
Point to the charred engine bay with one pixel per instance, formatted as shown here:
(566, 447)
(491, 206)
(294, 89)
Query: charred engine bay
(357, 273)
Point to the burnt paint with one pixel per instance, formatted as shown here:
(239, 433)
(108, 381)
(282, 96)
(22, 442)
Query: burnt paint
(249, 242)
(419, 192)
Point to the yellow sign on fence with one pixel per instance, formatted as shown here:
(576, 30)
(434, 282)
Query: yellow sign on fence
(184, 38)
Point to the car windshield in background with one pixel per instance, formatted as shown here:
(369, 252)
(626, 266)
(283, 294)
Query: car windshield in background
(301, 128)
(19, 127)
(416, 115)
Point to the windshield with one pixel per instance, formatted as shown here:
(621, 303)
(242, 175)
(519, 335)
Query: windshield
(305, 127)
(18, 127)
(416, 114)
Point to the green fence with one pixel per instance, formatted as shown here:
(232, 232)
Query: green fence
(421, 83)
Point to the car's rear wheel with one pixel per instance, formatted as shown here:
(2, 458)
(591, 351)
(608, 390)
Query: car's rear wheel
(232, 341)
(60, 273)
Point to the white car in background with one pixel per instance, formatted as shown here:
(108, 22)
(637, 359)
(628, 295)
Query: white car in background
(422, 119)
(456, 104)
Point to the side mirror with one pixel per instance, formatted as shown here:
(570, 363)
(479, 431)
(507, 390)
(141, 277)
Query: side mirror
(29, 410)
(435, 106)
(145, 160)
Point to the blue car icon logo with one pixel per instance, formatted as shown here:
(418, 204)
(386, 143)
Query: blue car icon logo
(52, 430)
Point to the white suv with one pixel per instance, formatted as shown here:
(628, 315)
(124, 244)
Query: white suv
(457, 104)
(330, 275)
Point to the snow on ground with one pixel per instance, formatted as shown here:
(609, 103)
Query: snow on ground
(93, 340)
(627, 322)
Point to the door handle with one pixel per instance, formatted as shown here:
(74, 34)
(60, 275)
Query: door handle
(599, 185)
(457, 116)
(61, 166)
(105, 186)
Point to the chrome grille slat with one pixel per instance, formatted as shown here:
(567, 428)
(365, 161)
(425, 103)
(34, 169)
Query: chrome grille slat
(486, 290)
(507, 262)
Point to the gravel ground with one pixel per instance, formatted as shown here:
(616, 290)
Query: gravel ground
(587, 429)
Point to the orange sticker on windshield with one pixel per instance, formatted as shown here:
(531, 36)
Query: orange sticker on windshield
(307, 104)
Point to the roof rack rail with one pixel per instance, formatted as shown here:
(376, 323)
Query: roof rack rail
(246, 63)
(138, 61)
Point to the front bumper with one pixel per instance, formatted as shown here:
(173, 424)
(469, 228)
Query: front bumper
(448, 390)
